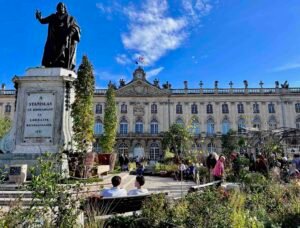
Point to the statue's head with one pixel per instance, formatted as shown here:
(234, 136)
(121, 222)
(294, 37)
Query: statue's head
(61, 8)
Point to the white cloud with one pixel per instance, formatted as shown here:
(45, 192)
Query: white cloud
(289, 66)
(152, 30)
(103, 8)
(195, 9)
(123, 59)
(154, 72)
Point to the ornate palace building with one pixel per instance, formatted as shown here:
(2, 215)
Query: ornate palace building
(145, 110)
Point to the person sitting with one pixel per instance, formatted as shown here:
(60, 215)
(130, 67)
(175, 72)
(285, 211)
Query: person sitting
(115, 191)
(139, 182)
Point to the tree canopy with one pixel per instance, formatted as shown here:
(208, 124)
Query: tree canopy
(108, 139)
(5, 125)
(82, 108)
(178, 139)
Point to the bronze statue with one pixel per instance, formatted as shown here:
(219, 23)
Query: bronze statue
(63, 35)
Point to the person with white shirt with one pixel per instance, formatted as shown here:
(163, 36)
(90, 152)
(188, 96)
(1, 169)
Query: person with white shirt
(115, 191)
(139, 182)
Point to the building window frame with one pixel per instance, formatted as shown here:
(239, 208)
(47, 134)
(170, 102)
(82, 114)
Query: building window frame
(210, 127)
(209, 109)
(297, 107)
(98, 127)
(256, 108)
(179, 108)
(124, 108)
(7, 108)
(123, 126)
(139, 126)
(240, 108)
(194, 109)
(98, 109)
(154, 154)
(271, 108)
(225, 126)
(225, 109)
(154, 127)
(154, 108)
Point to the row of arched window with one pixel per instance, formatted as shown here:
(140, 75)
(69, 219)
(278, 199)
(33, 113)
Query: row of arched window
(195, 127)
(225, 108)
(194, 108)
(123, 126)
(123, 108)
(226, 126)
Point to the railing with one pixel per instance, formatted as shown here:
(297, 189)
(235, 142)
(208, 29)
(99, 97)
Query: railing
(238, 91)
(142, 135)
(100, 91)
(178, 91)
(253, 91)
(224, 91)
(208, 91)
(294, 90)
(269, 91)
(203, 91)
(7, 92)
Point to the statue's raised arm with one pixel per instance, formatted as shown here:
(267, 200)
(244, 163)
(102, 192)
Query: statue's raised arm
(63, 35)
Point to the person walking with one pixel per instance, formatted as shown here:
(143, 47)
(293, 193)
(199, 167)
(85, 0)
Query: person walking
(219, 171)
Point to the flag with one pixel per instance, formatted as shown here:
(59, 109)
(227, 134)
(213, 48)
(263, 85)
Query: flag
(140, 59)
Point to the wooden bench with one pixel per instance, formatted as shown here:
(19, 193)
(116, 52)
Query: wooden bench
(196, 188)
(115, 205)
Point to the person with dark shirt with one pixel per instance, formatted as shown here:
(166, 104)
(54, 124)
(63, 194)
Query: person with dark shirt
(252, 162)
(261, 165)
(121, 161)
(211, 161)
(126, 162)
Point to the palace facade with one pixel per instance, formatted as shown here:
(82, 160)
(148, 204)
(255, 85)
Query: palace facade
(145, 110)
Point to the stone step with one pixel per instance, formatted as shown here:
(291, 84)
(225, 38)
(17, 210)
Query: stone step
(15, 194)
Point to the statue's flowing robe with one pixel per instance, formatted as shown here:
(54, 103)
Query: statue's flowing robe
(60, 47)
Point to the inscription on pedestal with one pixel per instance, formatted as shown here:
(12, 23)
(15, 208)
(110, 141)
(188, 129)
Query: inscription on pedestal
(38, 126)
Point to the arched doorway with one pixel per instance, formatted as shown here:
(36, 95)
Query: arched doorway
(154, 152)
(123, 149)
(138, 151)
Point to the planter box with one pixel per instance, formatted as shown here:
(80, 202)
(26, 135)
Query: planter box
(102, 169)
(107, 159)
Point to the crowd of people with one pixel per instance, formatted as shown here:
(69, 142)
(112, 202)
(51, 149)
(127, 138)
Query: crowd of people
(215, 165)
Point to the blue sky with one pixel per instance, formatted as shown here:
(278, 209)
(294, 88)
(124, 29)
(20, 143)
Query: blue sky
(180, 40)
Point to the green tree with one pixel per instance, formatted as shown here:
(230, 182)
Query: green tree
(178, 139)
(82, 108)
(5, 125)
(52, 204)
(108, 139)
(229, 143)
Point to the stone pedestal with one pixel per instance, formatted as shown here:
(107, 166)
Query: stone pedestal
(42, 121)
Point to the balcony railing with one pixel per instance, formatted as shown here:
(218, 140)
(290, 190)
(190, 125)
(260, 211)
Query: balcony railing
(7, 92)
(220, 91)
(137, 135)
(100, 91)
